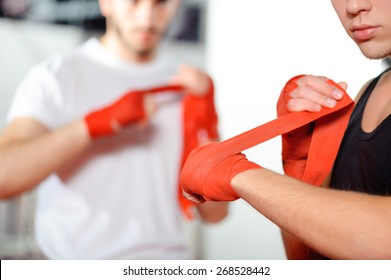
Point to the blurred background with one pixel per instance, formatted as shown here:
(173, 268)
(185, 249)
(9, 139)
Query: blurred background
(250, 48)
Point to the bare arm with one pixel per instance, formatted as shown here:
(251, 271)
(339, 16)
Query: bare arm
(294, 249)
(338, 224)
(29, 152)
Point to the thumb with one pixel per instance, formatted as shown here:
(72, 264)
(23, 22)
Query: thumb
(175, 80)
(178, 77)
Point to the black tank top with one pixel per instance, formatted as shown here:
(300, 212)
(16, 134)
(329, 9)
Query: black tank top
(363, 163)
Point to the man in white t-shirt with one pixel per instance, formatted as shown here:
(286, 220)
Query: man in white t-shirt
(106, 158)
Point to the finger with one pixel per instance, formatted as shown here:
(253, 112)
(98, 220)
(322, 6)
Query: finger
(194, 197)
(301, 104)
(175, 80)
(305, 92)
(343, 85)
(150, 108)
(192, 79)
(181, 76)
(150, 105)
(321, 85)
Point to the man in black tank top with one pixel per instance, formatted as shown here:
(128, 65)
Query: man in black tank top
(363, 163)
(350, 217)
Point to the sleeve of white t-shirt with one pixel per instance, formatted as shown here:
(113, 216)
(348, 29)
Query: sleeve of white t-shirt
(38, 97)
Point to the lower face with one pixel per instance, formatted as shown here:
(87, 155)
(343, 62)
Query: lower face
(374, 34)
(139, 25)
(140, 41)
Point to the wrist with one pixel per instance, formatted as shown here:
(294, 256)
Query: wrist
(127, 110)
(81, 129)
(246, 178)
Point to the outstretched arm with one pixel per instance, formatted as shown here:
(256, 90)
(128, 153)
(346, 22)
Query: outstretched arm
(338, 224)
(335, 223)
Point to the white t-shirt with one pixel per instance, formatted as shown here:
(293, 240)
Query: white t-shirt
(118, 199)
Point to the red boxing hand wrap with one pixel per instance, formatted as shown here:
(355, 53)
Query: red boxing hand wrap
(199, 124)
(308, 152)
(211, 178)
(199, 119)
(200, 115)
(311, 144)
(295, 143)
(126, 110)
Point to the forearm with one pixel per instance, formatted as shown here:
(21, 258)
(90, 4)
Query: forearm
(294, 249)
(337, 224)
(25, 163)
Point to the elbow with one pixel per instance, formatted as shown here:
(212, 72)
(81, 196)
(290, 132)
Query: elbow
(8, 188)
(4, 187)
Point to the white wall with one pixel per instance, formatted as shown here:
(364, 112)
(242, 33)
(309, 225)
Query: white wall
(23, 45)
(253, 48)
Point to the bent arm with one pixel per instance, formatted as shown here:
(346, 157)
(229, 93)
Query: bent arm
(29, 152)
(337, 224)
(295, 249)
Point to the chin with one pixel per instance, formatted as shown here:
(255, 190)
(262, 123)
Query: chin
(145, 52)
(372, 52)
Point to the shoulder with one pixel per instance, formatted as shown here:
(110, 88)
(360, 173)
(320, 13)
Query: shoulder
(362, 90)
(55, 64)
(76, 57)
(60, 68)
(369, 83)
(54, 71)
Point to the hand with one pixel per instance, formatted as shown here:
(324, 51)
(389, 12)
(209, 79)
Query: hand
(131, 108)
(205, 179)
(304, 93)
(313, 92)
(193, 80)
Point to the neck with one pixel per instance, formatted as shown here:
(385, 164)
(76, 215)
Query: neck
(115, 46)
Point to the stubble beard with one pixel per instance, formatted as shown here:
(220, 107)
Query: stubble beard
(375, 53)
(140, 52)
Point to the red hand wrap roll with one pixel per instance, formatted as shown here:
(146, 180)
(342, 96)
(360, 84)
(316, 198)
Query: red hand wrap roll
(126, 110)
(310, 155)
(199, 118)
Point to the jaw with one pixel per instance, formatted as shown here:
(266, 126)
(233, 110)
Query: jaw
(131, 47)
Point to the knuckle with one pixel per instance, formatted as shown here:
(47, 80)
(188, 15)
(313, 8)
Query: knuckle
(299, 92)
(290, 105)
(293, 105)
